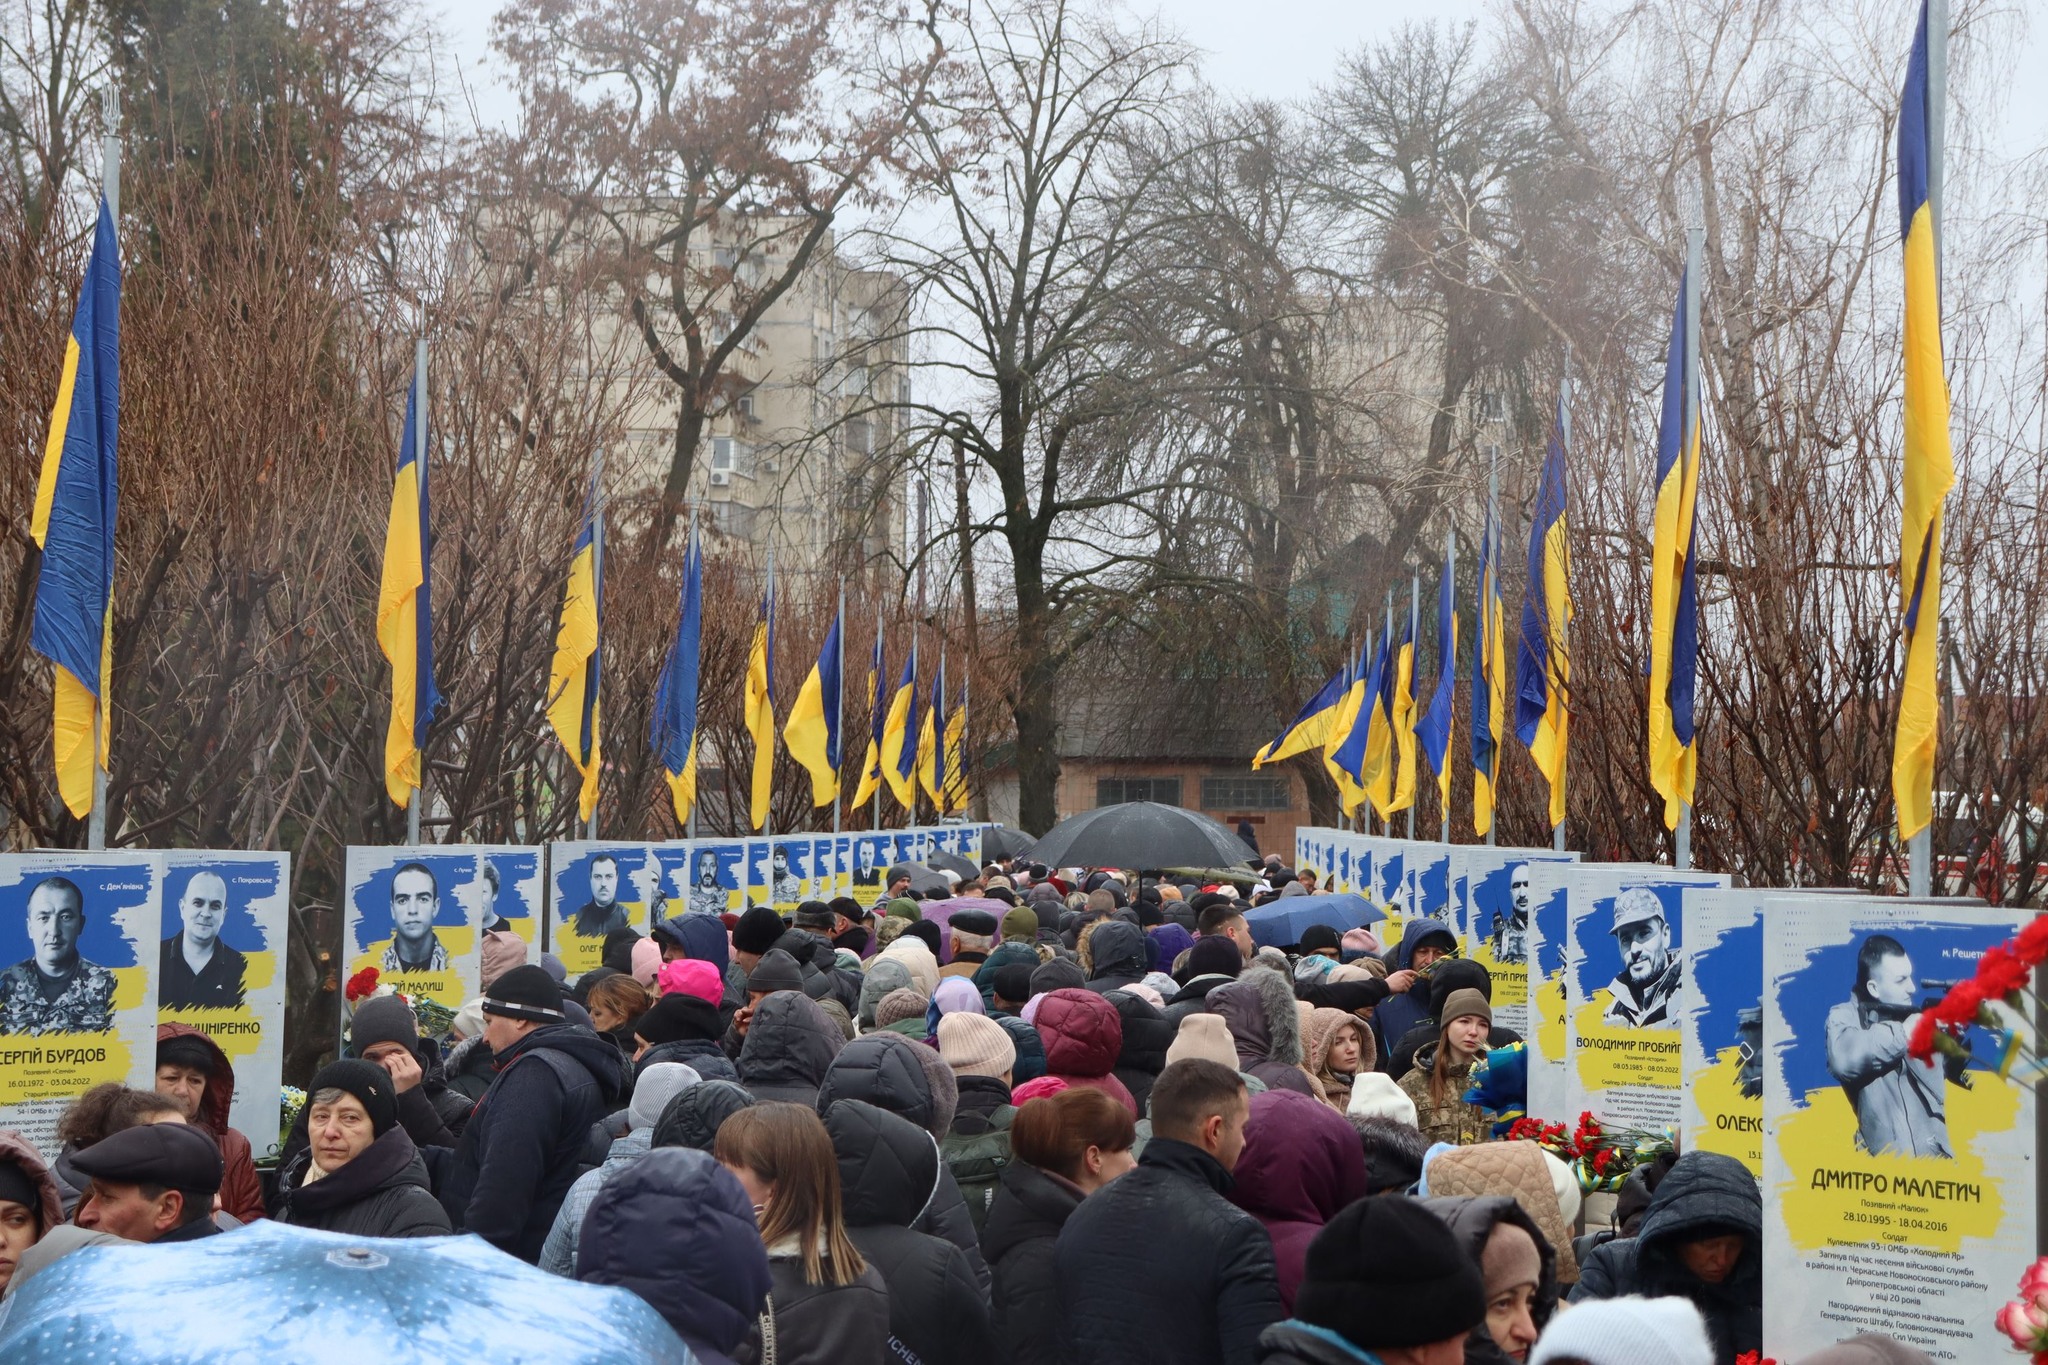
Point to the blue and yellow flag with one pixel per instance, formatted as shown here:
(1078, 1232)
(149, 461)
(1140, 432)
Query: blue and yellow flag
(931, 758)
(1929, 463)
(405, 610)
(73, 524)
(1674, 604)
(1489, 681)
(673, 727)
(1344, 722)
(878, 717)
(574, 676)
(812, 731)
(1404, 719)
(1543, 661)
(1438, 722)
(956, 755)
(899, 736)
(1310, 728)
(761, 706)
(1376, 715)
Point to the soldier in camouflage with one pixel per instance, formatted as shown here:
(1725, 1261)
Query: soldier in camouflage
(56, 990)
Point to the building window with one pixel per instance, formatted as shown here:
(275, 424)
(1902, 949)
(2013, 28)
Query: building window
(721, 452)
(1245, 793)
(1115, 791)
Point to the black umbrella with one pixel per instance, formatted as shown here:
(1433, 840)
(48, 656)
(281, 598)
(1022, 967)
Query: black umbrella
(952, 862)
(999, 842)
(923, 878)
(1138, 834)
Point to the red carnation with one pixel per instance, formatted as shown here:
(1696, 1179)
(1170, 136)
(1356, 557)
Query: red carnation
(2000, 973)
(1921, 1045)
(361, 985)
(1959, 1007)
(2033, 941)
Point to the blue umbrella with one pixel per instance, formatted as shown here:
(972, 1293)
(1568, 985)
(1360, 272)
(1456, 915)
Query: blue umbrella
(268, 1292)
(1281, 923)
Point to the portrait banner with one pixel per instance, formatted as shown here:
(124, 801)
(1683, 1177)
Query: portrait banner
(1548, 1056)
(415, 914)
(513, 897)
(1430, 881)
(906, 846)
(1315, 852)
(80, 934)
(1721, 1025)
(871, 853)
(1899, 1196)
(220, 969)
(1492, 905)
(788, 874)
(968, 842)
(1389, 887)
(595, 889)
(1624, 966)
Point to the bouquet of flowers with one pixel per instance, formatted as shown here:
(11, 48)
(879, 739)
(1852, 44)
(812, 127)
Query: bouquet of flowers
(291, 1101)
(1996, 997)
(1601, 1157)
(431, 1017)
(2025, 1319)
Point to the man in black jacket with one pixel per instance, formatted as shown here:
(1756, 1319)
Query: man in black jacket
(1158, 1265)
(521, 1149)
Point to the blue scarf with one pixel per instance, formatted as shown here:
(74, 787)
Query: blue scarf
(1343, 1344)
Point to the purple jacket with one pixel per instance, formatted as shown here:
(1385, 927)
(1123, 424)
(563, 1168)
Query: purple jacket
(1302, 1162)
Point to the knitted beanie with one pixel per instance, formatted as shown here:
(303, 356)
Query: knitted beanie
(381, 1019)
(1626, 1331)
(976, 1045)
(898, 1005)
(1205, 1036)
(1388, 1272)
(1020, 925)
(646, 962)
(1374, 1092)
(692, 976)
(1464, 1004)
(758, 930)
(654, 1088)
(368, 1082)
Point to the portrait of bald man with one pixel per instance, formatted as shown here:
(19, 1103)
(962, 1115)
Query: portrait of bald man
(197, 971)
(54, 989)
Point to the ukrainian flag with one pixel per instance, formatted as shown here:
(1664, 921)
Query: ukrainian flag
(761, 706)
(573, 678)
(1929, 463)
(1365, 754)
(73, 524)
(1310, 728)
(1674, 607)
(1343, 768)
(673, 727)
(405, 610)
(1543, 661)
(1404, 720)
(878, 715)
(1489, 681)
(931, 759)
(956, 755)
(1440, 719)
(899, 736)
(812, 731)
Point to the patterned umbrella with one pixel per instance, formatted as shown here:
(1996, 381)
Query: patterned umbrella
(268, 1292)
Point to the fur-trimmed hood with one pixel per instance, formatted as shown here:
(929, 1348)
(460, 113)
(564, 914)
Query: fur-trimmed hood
(1259, 1010)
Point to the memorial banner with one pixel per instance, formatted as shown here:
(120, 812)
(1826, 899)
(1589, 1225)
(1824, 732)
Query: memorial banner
(1899, 1196)
(872, 854)
(513, 897)
(220, 970)
(1624, 965)
(1490, 893)
(1548, 1057)
(1721, 1026)
(415, 915)
(594, 889)
(79, 936)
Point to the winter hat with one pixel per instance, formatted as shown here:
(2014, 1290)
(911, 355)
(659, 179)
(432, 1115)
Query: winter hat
(1509, 1258)
(1144, 993)
(813, 915)
(198, 1054)
(689, 976)
(654, 1088)
(1056, 975)
(1160, 984)
(899, 1005)
(617, 953)
(1365, 969)
(927, 932)
(884, 974)
(1627, 1331)
(646, 962)
(757, 930)
(976, 1045)
(469, 1020)
(903, 907)
(1205, 1036)
(1042, 1088)
(1320, 938)
(380, 1019)
(693, 1117)
(1388, 1272)
(1020, 925)
(1013, 982)
(1029, 1014)
(1565, 1186)
(1214, 956)
(776, 971)
(1374, 1092)
(1869, 1348)
(1357, 943)
(526, 993)
(675, 1017)
(500, 953)
(1464, 1004)
(368, 1082)
(552, 965)
(17, 1186)
(178, 1156)
(955, 995)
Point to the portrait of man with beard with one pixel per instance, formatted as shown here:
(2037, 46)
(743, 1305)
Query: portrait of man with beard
(1647, 984)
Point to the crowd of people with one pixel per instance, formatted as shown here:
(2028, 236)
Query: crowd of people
(1047, 1117)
